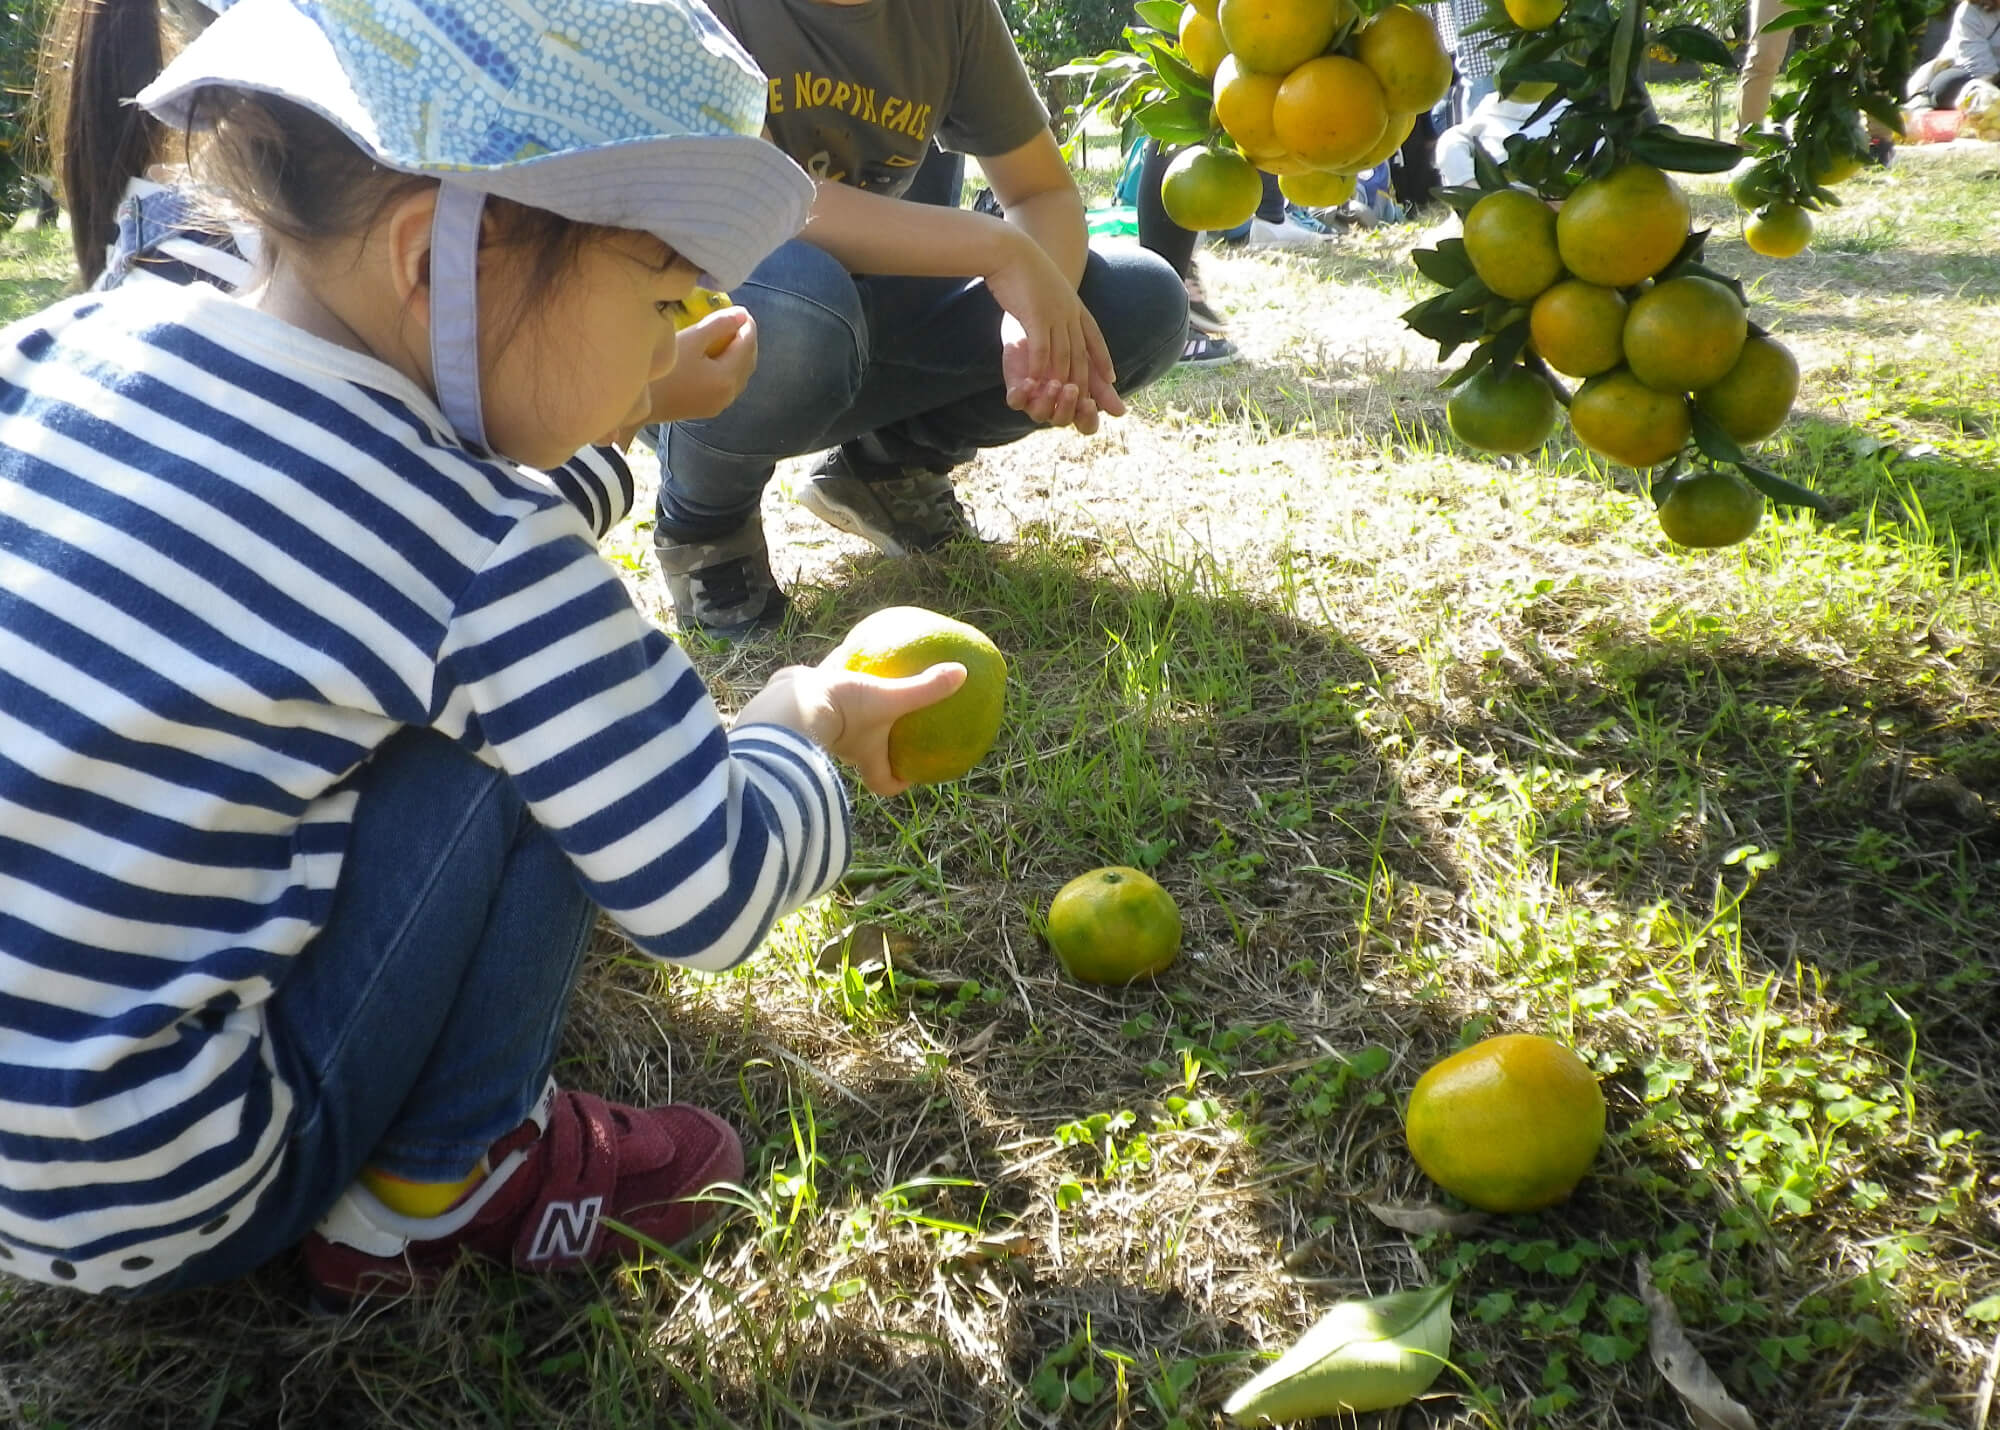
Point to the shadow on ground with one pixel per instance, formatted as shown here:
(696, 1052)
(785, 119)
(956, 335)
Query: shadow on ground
(1051, 1205)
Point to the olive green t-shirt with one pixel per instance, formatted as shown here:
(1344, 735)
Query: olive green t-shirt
(858, 91)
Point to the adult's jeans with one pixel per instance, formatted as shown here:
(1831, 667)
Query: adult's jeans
(905, 372)
(420, 1026)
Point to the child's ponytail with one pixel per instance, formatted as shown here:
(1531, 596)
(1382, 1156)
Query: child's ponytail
(99, 54)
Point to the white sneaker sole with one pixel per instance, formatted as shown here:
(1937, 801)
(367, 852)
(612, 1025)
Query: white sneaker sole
(841, 519)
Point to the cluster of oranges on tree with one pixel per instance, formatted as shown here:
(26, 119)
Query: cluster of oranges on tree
(1612, 297)
(1578, 264)
(1308, 90)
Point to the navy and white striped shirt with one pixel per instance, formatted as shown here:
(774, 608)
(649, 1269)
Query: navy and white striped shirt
(235, 559)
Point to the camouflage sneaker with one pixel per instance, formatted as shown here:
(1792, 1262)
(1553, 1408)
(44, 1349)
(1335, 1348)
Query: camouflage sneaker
(916, 510)
(724, 587)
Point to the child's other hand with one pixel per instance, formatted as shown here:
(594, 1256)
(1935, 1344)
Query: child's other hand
(849, 714)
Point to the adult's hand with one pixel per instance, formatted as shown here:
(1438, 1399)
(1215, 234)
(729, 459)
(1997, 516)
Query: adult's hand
(1053, 357)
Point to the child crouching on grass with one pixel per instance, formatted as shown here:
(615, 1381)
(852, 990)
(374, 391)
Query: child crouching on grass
(326, 732)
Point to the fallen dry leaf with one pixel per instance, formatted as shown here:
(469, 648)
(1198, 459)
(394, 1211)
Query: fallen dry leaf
(866, 944)
(1419, 1218)
(1709, 1403)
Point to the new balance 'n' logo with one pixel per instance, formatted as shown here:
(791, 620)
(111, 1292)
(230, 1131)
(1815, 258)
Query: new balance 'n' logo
(567, 1229)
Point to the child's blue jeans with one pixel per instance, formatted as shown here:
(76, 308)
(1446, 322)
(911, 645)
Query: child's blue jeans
(906, 368)
(420, 1026)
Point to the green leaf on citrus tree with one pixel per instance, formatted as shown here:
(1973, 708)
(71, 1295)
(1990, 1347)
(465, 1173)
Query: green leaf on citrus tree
(1181, 77)
(1485, 171)
(1715, 444)
(1688, 153)
(1446, 265)
(1184, 119)
(1696, 45)
(1461, 197)
(1160, 14)
(1782, 492)
(1361, 1355)
(1797, 19)
(1510, 335)
(1624, 48)
(1481, 359)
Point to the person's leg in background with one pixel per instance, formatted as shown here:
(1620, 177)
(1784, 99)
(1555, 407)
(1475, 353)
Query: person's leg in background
(1946, 84)
(1278, 224)
(812, 353)
(934, 393)
(1206, 345)
(1763, 57)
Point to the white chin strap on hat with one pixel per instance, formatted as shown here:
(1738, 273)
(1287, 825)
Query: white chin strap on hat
(455, 310)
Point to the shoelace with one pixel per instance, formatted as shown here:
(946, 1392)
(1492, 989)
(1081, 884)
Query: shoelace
(727, 583)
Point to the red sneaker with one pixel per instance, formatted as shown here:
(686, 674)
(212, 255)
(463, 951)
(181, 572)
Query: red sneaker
(557, 1178)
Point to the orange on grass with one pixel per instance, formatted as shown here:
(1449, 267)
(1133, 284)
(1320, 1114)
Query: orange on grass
(1619, 417)
(1201, 41)
(1510, 1124)
(942, 741)
(1510, 237)
(1330, 111)
(1685, 333)
(1243, 100)
(1578, 327)
(1401, 46)
(1114, 925)
(1710, 509)
(1317, 189)
(1507, 410)
(1754, 397)
(1535, 14)
(1624, 227)
(1778, 230)
(1277, 36)
(1208, 190)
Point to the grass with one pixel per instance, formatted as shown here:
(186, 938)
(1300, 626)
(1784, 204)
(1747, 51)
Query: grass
(1426, 746)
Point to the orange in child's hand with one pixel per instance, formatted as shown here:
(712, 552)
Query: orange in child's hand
(698, 304)
(942, 741)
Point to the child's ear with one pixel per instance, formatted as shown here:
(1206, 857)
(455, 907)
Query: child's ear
(408, 232)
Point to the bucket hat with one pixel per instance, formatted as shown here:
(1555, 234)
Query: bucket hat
(634, 114)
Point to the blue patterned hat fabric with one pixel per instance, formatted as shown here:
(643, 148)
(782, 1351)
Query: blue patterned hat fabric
(641, 114)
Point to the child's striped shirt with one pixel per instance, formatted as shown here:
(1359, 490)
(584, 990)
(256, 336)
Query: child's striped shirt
(234, 559)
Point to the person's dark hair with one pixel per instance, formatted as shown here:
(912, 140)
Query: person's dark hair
(98, 54)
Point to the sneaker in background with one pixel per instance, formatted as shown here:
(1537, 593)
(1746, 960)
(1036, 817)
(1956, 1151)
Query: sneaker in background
(1205, 351)
(1201, 317)
(722, 587)
(1308, 220)
(1288, 234)
(903, 511)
